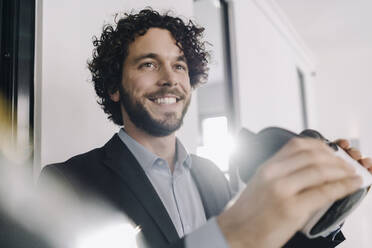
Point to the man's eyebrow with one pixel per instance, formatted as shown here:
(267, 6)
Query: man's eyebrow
(181, 58)
(155, 56)
(145, 56)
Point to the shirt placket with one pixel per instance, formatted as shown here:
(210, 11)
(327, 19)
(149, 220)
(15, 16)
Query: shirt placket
(178, 203)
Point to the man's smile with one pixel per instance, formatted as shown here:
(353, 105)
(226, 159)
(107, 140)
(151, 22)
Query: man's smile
(167, 103)
(167, 99)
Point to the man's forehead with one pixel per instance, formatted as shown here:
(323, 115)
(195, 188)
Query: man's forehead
(155, 41)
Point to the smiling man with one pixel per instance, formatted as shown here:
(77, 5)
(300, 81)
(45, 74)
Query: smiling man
(155, 87)
(155, 91)
(144, 71)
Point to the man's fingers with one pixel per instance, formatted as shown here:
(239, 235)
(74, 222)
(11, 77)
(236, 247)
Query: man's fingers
(317, 197)
(296, 145)
(343, 143)
(297, 154)
(354, 153)
(319, 159)
(366, 162)
(313, 176)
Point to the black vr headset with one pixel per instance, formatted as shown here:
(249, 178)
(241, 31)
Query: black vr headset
(254, 149)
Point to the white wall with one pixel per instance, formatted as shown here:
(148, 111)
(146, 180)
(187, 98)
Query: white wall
(68, 120)
(343, 93)
(341, 37)
(267, 57)
(345, 78)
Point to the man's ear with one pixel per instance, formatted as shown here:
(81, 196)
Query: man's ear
(115, 96)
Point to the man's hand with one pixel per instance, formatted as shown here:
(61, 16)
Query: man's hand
(355, 154)
(302, 177)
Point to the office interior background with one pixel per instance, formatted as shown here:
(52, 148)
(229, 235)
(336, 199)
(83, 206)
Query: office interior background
(294, 64)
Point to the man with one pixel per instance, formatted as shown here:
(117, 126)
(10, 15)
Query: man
(144, 71)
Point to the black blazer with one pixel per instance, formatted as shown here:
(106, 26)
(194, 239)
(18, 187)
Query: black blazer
(113, 174)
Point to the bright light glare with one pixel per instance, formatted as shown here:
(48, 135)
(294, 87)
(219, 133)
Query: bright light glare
(115, 236)
(217, 143)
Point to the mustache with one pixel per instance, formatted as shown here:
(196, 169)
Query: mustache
(164, 91)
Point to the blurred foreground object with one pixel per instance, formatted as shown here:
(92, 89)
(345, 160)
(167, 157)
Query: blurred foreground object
(12, 232)
(52, 216)
(255, 149)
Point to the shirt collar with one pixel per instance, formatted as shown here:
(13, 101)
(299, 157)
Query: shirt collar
(183, 156)
(146, 158)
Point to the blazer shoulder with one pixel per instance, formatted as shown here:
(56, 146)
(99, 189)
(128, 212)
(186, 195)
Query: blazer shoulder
(206, 165)
(83, 159)
(65, 171)
(206, 172)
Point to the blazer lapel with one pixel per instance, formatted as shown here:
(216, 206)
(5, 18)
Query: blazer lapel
(122, 161)
(212, 185)
(206, 193)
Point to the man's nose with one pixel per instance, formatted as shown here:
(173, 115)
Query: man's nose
(167, 77)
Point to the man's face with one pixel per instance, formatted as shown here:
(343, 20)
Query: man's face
(155, 89)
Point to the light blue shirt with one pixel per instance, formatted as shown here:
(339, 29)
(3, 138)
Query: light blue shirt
(179, 194)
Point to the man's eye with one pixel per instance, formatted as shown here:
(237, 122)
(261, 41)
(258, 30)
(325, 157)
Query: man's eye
(181, 67)
(147, 65)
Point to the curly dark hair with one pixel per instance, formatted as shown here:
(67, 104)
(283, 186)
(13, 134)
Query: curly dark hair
(111, 49)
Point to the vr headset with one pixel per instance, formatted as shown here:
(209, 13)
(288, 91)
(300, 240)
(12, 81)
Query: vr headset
(254, 149)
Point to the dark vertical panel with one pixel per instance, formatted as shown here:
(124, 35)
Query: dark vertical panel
(301, 80)
(25, 66)
(231, 108)
(1, 25)
(9, 29)
(215, 94)
(17, 33)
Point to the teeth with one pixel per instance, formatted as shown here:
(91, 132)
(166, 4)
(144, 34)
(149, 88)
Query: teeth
(165, 100)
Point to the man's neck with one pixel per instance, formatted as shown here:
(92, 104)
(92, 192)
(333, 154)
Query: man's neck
(164, 147)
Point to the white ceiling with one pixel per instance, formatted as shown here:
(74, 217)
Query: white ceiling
(331, 24)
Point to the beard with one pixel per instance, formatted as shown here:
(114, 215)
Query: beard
(142, 119)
